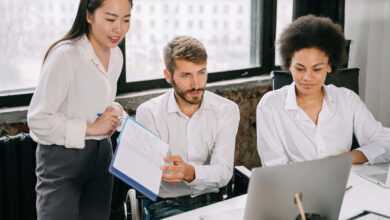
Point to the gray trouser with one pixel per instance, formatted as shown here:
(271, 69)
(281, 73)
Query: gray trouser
(74, 183)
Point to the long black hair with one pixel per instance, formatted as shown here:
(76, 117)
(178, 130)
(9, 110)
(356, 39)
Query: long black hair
(80, 25)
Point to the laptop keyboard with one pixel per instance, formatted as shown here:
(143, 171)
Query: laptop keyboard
(381, 177)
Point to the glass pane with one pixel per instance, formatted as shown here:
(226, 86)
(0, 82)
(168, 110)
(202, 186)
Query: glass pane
(27, 29)
(283, 19)
(223, 26)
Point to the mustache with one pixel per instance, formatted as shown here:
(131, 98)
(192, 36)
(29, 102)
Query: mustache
(195, 90)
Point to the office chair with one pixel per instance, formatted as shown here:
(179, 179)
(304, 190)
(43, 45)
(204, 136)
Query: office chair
(346, 77)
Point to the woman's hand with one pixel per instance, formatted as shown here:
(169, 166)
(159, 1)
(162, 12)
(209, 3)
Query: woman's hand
(358, 156)
(106, 124)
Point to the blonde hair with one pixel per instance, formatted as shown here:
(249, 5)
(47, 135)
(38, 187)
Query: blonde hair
(184, 47)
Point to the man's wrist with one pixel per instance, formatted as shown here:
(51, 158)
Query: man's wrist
(190, 175)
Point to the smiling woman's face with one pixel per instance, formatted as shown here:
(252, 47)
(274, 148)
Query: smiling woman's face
(109, 23)
(309, 67)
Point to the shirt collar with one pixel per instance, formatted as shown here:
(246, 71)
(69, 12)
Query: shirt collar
(329, 100)
(172, 104)
(85, 48)
(174, 107)
(329, 96)
(291, 98)
(86, 52)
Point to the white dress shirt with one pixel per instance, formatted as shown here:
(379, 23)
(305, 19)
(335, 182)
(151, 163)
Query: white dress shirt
(286, 134)
(206, 140)
(73, 88)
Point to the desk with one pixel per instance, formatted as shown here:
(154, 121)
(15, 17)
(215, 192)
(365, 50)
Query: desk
(364, 195)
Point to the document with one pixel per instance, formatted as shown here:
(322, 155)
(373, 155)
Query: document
(138, 158)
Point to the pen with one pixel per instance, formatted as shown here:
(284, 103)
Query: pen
(120, 118)
(348, 187)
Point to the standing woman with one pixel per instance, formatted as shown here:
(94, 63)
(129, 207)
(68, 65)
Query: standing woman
(78, 80)
(308, 120)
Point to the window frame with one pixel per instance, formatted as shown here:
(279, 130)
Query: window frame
(265, 23)
(266, 9)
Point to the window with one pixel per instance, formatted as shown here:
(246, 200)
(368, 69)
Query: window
(215, 25)
(200, 24)
(233, 52)
(212, 26)
(190, 9)
(215, 9)
(283, 19)
(28, 29)
(240, 9)
(225, 24)
(177, 9)
(190, 24)
(166, 8)
(138, 8)
(226, 9)
(200, 9)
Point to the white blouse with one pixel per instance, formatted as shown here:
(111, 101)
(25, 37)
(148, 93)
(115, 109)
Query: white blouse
(286, 134)
(73, 88)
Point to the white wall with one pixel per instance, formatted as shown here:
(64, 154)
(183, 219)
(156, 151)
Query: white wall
(367, 24)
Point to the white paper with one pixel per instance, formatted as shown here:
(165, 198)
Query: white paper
(140, 155)
(233, 214)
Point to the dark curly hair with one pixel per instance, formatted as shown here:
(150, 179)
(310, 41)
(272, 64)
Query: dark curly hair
(313, 32)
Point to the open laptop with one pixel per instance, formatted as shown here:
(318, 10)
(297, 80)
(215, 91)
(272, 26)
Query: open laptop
(379, 174)
(321, 183)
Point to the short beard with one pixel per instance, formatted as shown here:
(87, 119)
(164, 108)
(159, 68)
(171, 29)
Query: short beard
(182, 94)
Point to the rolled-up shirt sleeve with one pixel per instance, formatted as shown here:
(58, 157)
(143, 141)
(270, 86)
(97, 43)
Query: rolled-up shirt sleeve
(44, 119)
(373, 138)
(220, 170)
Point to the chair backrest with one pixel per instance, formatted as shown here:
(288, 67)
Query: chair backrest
(348, 78)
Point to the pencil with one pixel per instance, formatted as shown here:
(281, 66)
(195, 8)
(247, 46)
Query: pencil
(348, 187)
(300, 207)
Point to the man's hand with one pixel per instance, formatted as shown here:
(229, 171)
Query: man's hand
(178, 172)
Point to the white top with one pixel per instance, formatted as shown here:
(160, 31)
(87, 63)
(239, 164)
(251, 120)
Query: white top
(286, 134)
(206, 140)
(73, 88)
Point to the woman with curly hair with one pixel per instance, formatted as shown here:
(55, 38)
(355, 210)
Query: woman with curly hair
(308, 120)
